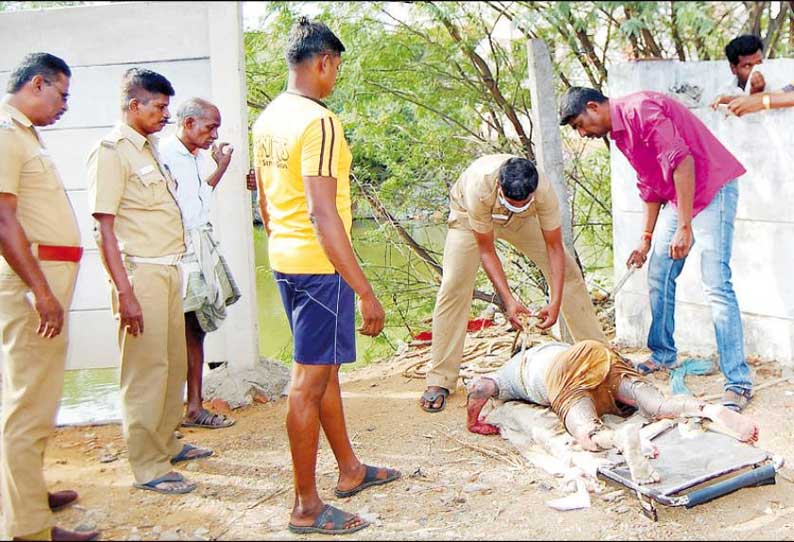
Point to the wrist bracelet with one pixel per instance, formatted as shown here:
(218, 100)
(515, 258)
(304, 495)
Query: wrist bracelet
(766, 99)
(646, 236)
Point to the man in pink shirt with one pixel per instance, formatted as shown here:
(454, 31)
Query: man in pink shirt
(687, 180)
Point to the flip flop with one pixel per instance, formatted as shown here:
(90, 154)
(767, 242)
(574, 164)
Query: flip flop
(431, 397)
(649, 366)
(330, 521)
(209, 420)
(151, 485)
(183, 454)
(370, 479)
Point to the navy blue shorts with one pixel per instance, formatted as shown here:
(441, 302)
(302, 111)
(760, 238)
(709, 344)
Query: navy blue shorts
(321, 310)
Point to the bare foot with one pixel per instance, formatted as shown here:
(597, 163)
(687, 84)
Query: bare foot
(482, 390)
(483, 428)
(743, 428)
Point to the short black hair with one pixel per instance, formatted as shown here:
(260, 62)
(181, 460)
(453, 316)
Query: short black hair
(33, 64)
(574, 102)
(744, 45)
(137, 81)
(518, 178)
(307, 38)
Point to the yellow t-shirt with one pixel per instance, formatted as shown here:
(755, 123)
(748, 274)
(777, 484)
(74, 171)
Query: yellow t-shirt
(296, 137)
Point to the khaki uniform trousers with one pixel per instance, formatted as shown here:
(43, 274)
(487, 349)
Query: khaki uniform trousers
(453, 302)
(32, 385)
(153, 370)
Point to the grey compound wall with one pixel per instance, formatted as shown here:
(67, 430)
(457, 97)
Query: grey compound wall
(763, 250)
(198, 47)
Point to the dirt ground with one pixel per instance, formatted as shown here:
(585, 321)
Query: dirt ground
(448, 490)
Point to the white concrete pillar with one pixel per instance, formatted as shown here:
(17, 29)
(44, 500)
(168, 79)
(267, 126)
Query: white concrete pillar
(238, 337)
(546, 133)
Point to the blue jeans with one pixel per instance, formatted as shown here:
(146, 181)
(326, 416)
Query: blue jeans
(712, 229)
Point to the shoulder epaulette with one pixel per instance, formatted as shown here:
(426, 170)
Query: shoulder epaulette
(109, 143)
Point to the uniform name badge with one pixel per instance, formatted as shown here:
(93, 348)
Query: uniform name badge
(145, 169)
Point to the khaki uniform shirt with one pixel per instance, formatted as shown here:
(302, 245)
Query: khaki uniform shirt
(474, 204)
(126, 179)
(28, 172)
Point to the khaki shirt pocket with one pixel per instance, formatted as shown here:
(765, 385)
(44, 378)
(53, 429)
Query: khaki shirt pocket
(39, 173)
(147, 187)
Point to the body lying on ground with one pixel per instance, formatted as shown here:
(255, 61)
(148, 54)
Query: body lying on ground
(581, 383)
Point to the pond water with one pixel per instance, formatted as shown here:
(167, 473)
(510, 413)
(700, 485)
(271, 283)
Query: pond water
(92, 395)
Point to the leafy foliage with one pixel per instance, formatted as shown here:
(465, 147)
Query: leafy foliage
(426, 87)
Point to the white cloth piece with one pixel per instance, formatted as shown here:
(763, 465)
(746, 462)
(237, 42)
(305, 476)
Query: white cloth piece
(773, 83)
(189, 171)
(198, 257)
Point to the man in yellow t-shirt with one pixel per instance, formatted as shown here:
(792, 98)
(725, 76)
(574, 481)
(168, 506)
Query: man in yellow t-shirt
(303, 168)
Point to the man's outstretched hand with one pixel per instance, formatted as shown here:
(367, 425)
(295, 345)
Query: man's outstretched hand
(639, 255)
(547, 316)
(514, 311)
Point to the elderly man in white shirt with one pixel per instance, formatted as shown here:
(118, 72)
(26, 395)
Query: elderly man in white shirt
(208, 286)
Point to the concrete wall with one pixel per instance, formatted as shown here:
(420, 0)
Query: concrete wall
(198, 47)
(764, 234)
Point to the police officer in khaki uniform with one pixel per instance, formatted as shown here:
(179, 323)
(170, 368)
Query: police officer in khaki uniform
(501, 196)
(40, 246)
(141, 238)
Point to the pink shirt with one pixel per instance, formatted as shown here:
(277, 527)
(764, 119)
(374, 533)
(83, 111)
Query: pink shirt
(656, 132)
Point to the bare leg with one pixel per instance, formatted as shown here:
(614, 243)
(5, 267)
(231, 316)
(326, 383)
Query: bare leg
(307, 391)
(589, 431)
(654, 404)
(194, 337)
(332, 419)
(481, 390)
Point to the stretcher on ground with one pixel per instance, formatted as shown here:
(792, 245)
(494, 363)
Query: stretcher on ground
(696, 467)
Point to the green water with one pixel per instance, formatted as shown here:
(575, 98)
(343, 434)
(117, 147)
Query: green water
(91, 395)
(275, 338)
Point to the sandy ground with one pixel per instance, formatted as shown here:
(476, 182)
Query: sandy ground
(448, 490)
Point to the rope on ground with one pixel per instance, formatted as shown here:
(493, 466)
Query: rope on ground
(484, 351)
(505, 456)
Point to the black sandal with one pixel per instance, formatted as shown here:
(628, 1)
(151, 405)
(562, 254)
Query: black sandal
(330, 521)
(431, 397)
(370, 479)
(209, 420)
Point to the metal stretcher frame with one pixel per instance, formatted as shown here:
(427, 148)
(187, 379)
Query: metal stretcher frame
(687, 462)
